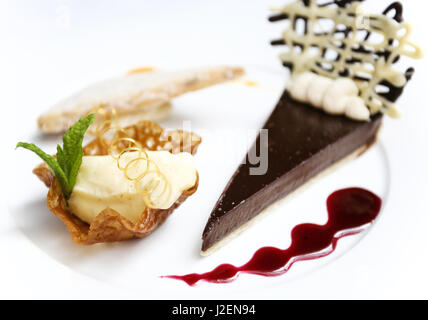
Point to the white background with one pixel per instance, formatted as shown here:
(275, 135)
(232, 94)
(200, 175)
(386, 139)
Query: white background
(52, 48)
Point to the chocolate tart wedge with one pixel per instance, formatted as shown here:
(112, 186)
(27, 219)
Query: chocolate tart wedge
(343, 79)
(302, 142)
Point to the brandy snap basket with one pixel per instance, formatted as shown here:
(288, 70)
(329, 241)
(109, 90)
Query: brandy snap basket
(109, 225)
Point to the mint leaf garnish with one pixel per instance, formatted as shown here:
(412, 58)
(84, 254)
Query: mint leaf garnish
(72, 147)
(69, 158)
(52, 163)
(60, 159)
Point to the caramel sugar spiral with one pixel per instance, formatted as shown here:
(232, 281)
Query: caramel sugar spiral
(151, 183)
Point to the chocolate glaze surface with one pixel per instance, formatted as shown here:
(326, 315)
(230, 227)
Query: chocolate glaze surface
(302, 141)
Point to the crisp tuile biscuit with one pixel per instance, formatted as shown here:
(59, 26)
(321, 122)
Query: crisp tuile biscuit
(154, 113)
(109, 225)
(136, 94)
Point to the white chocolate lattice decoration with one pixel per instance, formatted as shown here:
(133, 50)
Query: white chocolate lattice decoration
(337, 39)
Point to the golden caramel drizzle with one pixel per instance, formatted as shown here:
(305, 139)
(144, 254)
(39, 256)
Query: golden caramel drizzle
(151, 183)
(251, 83)
(141, 70)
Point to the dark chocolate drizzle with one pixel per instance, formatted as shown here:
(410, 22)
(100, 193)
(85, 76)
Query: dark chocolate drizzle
(393, 92)
(398, 11)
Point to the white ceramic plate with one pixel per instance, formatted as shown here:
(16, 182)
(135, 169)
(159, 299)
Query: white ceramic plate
(227, 117)
(56, 48)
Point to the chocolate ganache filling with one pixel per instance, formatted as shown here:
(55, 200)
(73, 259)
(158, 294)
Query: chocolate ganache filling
(302, 141)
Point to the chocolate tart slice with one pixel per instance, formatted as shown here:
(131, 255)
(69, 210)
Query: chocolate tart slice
(302, 142)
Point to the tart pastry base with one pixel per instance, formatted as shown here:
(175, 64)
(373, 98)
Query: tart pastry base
(220, 244)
